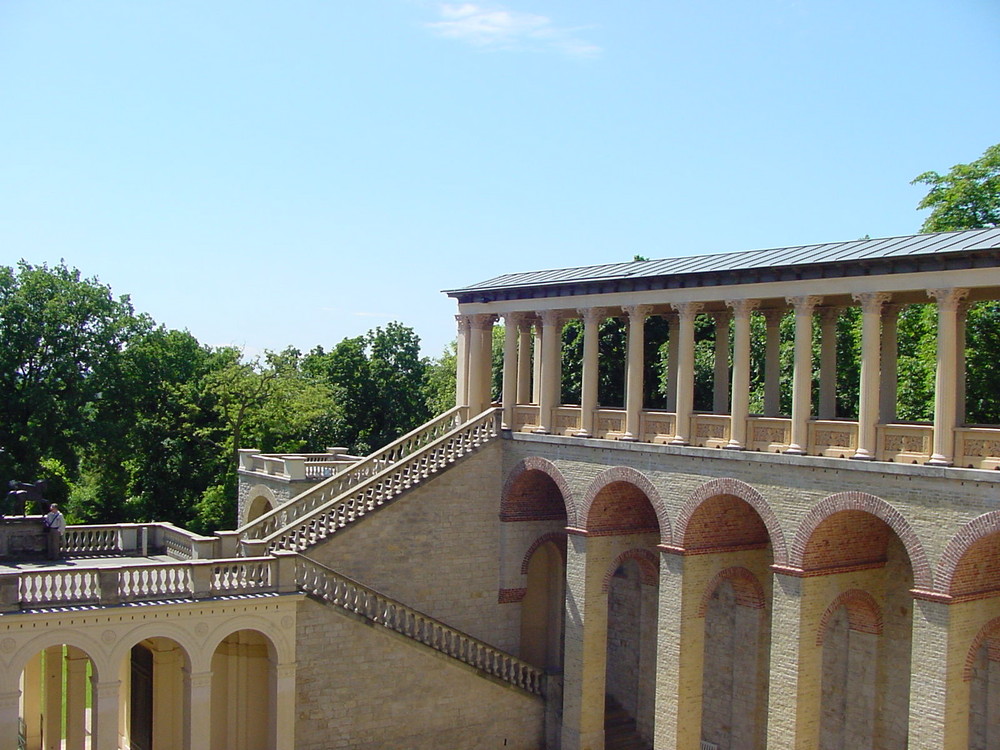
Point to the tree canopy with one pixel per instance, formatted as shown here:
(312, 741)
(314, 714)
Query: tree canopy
(968, 197)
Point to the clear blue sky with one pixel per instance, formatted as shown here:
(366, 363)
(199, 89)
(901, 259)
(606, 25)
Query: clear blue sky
(271, 173)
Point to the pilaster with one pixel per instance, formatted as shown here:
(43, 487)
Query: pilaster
(939, 697)
(104, 710)
(76, 698)
(283, 701)
(198, 695)
(9, 714)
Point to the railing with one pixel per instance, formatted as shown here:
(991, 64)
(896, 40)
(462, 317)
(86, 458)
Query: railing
(609, 423)
(137, 539)
(330, 489)
(657, 426)
(375, 491)
(710, 430)
(296, 466)
(525, 418)
(113, 585)
(837, 438)
(319, 581)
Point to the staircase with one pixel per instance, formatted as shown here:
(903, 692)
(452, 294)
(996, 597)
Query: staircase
(338, 590)
(619, 728)
(371, 483)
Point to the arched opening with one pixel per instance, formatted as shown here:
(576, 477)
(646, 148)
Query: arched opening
(243, 692)
(983, 676)
(857, 564)
(728, 543)
(533, 495)
(155, 695)
(258, 507)
(542, 611)
(56, 694)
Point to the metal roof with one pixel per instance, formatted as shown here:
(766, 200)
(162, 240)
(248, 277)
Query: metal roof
(938, 244)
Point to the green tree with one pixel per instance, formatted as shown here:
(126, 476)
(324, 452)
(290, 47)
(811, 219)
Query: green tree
(968, 197)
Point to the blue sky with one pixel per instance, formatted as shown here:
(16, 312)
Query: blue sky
(268, 174)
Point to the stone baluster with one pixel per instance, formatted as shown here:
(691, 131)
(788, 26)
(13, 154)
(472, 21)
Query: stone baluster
(802, 374)
(869, 388)
(946, 379)
(741, 371)
(635, 356)
(592, 319)
(828, 317)
(720, 386)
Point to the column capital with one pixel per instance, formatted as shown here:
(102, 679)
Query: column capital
(552, 317)
(773, 315)
(106, 688)
(830, 313)
(804, 305)
(515, 319)
(464, 323)
(593, 315)
(871, 302)
(482, 321)
(637, 311)
(742, 307)
(687, 310)
(948, 299)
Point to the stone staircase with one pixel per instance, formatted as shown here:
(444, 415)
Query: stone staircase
(371, 483)
(619, 728)
(325, 584)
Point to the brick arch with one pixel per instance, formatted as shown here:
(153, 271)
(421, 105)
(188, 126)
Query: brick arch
(990, 634)
(749, 592)
(746, 493)
(649, 567)
(511, 510)
(976, 530)
(872, 505)
(637, 479)
(557, 538)
(863, 613)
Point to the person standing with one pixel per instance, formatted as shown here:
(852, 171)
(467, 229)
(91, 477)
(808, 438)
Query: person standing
(55, 525)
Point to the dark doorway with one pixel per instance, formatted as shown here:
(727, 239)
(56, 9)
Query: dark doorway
(141, 715)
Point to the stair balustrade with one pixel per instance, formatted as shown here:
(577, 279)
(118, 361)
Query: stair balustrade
(323, 583)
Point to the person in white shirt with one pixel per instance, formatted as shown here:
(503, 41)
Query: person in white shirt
(55, 525)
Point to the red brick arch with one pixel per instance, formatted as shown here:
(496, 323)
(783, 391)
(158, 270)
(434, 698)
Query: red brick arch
(557, 538)
(512, 510)
(636, 479)
(746, 493)
(875, 506)
(989, 633)
(749, 592)
(976, 530)
(863, 614)
(649, 567)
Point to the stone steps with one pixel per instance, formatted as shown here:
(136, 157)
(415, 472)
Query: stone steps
(619, 728)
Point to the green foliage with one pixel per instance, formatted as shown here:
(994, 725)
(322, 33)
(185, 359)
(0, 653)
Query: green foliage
(968, 197)
(439, 385)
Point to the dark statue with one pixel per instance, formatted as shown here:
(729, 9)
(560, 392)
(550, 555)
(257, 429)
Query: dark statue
(21, 493)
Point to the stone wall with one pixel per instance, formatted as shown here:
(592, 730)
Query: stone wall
(367, 688)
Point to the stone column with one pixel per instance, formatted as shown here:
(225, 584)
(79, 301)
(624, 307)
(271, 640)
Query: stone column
(536, 367)
(720, 385)
(772, 362)
(584, 668)
(686, 311)
(283, 701)
(198, 705)
(524, 361)
(890, 364)
(76, 698)
(511, 328)
(794, 683)
(106, 697)
(9, 710)
(592, 319)
(870, 387)
(168, 699)
(462, 361)
(946, 380)
(742, 308)
(551, 372)
(828, 362)
(802, 376)
(636, 362)
(480, 362)
(52, 717)
(962, 316)
(673, 334)
(32, 692)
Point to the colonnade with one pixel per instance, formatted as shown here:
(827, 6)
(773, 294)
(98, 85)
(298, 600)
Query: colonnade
(532, 369)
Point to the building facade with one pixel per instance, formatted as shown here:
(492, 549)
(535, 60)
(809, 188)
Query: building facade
(530, 573)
